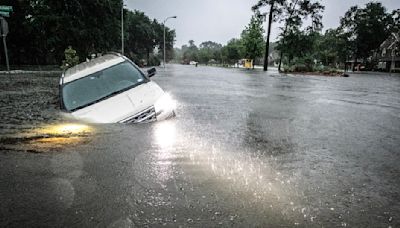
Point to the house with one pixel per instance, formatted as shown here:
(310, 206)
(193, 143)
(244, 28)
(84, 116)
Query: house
(389, 54)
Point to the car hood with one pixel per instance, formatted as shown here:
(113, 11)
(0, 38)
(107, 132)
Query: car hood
(121, 106)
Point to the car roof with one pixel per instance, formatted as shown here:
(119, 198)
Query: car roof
(94, 65)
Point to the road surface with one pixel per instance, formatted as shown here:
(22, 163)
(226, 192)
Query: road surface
(247, 149)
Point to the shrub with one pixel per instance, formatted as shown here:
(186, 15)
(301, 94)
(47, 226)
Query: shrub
(153, 61)
(71, 59)
(301, 68)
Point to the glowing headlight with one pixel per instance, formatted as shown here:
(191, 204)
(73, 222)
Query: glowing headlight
(165, 104)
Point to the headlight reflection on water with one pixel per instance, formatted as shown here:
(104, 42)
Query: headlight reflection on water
(251, 180)
(59, 135)
(165, 137)
(165, 134)
(67, 129)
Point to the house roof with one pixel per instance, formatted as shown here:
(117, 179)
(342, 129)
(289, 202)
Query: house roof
(392, 40)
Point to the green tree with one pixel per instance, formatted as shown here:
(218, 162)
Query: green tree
(252, 37)
(169, 40)
(40, 30)
(71, 59)
(331, 47)
(139, 35)
(366, 28)
(190, 53)
(274, 10)
(233, 51)
(293, 13)
(395, 26)
(290, 13)
(209, 50)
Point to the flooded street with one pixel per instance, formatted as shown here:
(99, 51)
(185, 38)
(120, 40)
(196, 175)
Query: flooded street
(247, 149)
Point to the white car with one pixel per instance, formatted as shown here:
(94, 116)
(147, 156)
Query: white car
(112, 89)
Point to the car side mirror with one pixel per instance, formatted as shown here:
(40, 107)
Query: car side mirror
(151, 72)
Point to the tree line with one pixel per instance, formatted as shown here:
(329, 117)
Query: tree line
(249, 45)
(41, 30)
(301, 42)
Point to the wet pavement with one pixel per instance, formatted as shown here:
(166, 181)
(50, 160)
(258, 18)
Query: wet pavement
(247, 149)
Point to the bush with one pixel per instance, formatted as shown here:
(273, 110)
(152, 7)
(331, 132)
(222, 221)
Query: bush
(301, 68)
(319, 68)
(153, 61)
(71, 59)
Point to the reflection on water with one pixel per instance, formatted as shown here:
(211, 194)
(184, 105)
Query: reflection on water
(250, 179)
(165, 139)
(66, 129)
(165, 134)
(253, 178)
(48, 137)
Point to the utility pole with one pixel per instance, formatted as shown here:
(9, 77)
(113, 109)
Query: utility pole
(122, 28)
(164, 36)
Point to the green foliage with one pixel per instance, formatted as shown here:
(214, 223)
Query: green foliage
(250, 46)
(331, 48)
(209, 51)
(40, 30)
(233, 51)
(190, 53)
(142, 35)
(361, 32)
(299, 46)
(366, 28)
(252, 39)
(291, 14)
(153, 61)
(71, 59)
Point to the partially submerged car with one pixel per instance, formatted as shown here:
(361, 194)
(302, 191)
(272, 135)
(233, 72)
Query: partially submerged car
(112, 89)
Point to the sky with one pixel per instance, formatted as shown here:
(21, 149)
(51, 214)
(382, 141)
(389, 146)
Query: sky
(222, 20)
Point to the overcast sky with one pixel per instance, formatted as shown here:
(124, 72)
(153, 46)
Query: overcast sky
(221, 20)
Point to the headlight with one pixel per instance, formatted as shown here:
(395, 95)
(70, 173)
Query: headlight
(165, 104)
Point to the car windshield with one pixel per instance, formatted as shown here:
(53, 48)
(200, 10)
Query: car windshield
(105, 83)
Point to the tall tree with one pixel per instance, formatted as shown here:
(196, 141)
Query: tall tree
(209, 50)
(40, 30)
(274, 11)
(395, 26)
(331, 47)
(293, 13)
(366, 28)
(290, 13)
(252, 37)
(233, 51)
(190, 52)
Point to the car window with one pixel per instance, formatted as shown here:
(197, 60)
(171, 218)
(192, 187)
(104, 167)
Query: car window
(94, 87)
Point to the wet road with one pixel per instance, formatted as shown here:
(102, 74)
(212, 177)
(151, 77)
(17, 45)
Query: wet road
(247, 149)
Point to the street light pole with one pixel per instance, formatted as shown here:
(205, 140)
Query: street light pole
(122, 28)
(164, 35)
(3, 33)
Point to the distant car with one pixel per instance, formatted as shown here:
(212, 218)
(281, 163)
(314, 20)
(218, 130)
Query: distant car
(112, 89)
(193, 63)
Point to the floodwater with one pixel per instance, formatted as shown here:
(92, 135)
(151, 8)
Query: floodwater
(247, 149)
